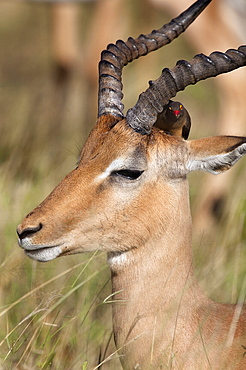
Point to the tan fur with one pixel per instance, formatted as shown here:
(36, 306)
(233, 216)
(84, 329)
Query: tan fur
(161, 318)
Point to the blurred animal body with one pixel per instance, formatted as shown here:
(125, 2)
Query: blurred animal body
(128, 196)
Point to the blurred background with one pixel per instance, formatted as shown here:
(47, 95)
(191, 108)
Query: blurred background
(59, 312)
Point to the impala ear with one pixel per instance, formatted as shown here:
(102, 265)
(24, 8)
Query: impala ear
(215, 154)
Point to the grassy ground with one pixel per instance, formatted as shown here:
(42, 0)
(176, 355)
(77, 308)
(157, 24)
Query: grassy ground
(58, 312)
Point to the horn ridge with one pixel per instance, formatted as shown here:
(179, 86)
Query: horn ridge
(121, 53)
(121, 45)
(176, 79)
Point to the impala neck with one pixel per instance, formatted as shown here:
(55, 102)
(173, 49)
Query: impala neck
(150, 282)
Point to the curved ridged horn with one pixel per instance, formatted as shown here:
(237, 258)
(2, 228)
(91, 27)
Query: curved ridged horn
(120, 54)
(143, 115)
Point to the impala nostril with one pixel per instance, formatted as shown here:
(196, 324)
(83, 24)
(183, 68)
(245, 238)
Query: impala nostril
(29, 231)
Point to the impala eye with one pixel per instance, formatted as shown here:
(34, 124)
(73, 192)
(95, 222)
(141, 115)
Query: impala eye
(128, 174)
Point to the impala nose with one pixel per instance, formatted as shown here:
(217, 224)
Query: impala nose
(28, 231)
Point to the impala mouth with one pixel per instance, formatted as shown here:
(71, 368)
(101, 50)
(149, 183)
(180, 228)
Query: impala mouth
(40, 252)
(43, 253)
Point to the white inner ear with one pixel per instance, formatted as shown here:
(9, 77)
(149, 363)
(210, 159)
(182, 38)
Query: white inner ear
(218, 163)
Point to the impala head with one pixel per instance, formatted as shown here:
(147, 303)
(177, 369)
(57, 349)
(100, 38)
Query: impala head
(131, 178)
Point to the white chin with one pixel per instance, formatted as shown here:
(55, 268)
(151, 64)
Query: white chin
(44, 254)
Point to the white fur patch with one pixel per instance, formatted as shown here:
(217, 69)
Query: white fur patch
(26, 243)
(117, 259)
(44, 254)
(117, 164)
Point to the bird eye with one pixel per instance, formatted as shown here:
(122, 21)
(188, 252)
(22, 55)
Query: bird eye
(181, 107)
(170, 108)
(128, 174)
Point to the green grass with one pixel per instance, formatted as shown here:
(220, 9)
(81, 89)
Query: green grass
(58, 312)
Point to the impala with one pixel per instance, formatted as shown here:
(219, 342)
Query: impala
(129, 197)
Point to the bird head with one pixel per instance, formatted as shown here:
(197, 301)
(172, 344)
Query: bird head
(175, 108)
